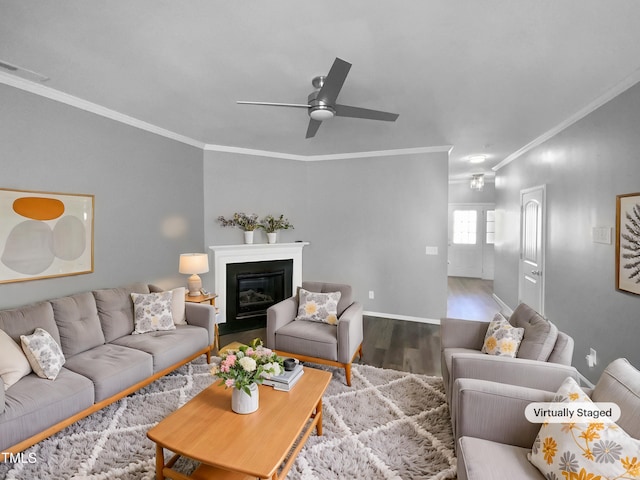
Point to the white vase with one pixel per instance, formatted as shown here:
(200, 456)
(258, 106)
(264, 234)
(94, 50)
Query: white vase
(248, 236)
(272, 237)
(243, 403)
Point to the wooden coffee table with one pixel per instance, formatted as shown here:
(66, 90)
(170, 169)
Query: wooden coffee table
(236, 447)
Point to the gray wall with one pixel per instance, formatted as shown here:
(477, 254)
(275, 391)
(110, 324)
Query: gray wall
(368, 221)
(584, 168)
(148, 191)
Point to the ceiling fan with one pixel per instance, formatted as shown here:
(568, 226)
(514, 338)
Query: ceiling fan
(321, 103)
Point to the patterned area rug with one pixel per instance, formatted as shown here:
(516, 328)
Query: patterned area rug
(388, 425)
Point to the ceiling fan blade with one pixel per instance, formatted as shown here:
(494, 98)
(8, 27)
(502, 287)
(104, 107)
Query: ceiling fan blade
(333, 82)
(313, 127)
(357, 112)
(272, 104)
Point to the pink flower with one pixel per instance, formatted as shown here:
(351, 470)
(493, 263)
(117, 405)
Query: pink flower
(229, 382)
(250, 351)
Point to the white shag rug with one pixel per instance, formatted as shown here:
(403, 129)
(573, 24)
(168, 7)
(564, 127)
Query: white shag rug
(388, 425)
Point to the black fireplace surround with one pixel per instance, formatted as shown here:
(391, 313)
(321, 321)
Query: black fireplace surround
(252, 287)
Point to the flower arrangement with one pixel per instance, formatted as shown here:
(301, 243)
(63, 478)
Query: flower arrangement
(245, 222)
(249, 364)
(271, 224)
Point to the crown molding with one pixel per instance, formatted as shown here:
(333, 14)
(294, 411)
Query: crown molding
(607, 96)
(335, 156)
(58, 96)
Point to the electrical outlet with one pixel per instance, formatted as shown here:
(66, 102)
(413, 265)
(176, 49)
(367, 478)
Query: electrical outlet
(371, 295)
(592, 359)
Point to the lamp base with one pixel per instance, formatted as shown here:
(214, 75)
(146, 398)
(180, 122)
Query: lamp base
(194, 284)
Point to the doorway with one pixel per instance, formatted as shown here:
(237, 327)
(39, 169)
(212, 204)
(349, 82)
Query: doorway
(471, 234)
(531, 282)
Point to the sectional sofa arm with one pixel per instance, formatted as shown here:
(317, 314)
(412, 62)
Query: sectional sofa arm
(1, 395)
(513, 371)
(350, 332)
(495, 411)
(457, 333)
(278, 316)
(202, 315)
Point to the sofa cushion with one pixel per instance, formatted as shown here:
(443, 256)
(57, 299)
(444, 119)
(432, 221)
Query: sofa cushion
(152, 312)
(168, 347)
(318, 307)
(620, 383)
(115, 309)
(24, 321)
(43, 352)
(313, 338)
(13, 363)
(178, 309)
(35, 404)
(540, 335)
(78, 323)
(480, 459)
(502, 338)
(588, 449)
(111, 368)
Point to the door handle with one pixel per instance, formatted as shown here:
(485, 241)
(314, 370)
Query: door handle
(536, 272)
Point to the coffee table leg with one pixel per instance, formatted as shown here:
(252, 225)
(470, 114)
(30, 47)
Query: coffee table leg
(159, 462)
(319, 415)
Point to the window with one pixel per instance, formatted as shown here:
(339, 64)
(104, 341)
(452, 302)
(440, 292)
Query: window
(491, 227)
(465, 227)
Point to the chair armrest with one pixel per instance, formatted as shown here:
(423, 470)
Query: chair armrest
(514, 371)
(202, 315)
(1, 395)
(350, 332)
(457, 333)
(495, 411)
(278, 316)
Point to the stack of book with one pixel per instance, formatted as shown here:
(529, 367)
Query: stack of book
(286, 380)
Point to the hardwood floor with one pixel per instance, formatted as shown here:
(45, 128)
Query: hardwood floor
(411, 346)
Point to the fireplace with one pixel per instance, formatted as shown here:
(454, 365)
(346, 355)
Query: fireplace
(252, 287)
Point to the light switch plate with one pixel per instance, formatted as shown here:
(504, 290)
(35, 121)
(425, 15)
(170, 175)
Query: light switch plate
(601, 235)
(431, 250)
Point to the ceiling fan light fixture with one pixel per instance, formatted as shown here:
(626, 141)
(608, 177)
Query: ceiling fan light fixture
(322, 112)
(477, 182)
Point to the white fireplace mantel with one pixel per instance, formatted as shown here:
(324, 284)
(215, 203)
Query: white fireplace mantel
(257, 252)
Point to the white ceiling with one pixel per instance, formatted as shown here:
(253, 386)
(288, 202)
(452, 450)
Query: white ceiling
(485, 76)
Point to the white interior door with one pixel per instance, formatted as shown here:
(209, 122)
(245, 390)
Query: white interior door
(470, 252)
(532, 235)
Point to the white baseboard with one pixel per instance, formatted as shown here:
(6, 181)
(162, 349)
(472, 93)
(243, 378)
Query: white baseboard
(407, 318)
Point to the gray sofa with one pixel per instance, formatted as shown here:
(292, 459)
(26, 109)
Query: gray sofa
(495, 436)
(104, 361)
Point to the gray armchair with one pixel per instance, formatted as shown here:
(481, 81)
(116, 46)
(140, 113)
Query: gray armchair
(335, 345)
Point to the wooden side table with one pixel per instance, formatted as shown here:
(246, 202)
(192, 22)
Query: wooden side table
(211, 300)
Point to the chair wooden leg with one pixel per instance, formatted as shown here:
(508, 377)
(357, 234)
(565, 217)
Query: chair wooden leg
(347, 373)
(360, 352)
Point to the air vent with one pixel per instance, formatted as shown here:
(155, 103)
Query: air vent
(22, 72)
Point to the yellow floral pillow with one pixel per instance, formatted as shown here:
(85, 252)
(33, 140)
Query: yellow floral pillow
(502, 338)
(584, 451)
(318, 307)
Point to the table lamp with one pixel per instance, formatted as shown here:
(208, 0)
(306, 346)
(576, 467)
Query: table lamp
(192, 264)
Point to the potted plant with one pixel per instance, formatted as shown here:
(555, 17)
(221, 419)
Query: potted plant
(247, 223)
(243, 370)
(271, 225)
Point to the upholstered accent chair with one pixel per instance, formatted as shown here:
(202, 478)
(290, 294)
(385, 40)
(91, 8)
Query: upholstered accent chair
(334, 342)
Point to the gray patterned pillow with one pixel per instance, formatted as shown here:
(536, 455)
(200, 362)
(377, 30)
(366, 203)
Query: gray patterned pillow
(152, 311)
(502, 338)
(43, 352)
(318, 307)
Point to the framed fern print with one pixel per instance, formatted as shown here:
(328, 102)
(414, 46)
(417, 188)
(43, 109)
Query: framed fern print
(628, 243)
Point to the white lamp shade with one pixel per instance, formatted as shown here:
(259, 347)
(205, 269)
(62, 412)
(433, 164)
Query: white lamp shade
(193, 263)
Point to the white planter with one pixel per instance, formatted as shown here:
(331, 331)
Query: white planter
(243, 403)
(248, 236)
(272, 237)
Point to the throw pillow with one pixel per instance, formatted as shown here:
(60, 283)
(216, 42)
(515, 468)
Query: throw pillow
(152, 312)
(590, 450)
(318, 307)
(502, 338)
(43, 352)
(178, 306)
(13, 364)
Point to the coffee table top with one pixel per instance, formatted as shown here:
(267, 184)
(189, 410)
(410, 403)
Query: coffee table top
(208, 431)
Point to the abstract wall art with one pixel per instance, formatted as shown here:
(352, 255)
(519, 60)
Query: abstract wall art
(628, 243)
(44, 235)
